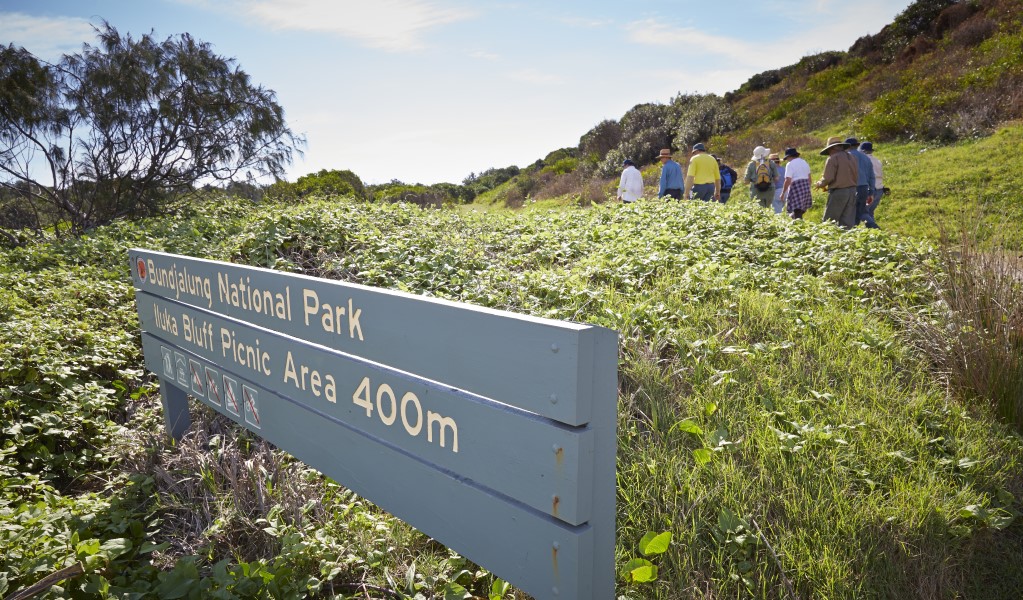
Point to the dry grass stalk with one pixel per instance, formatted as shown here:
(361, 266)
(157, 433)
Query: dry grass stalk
(976, 336)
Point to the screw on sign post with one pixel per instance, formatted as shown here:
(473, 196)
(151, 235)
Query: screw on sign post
(505, 422)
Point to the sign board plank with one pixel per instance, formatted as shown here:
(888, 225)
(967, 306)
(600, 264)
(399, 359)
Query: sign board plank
(542, 463)
(544, 556)
(529, 362)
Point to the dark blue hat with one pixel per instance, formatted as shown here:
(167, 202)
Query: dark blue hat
(628, 162)
(852, 142)
(867, 147)
(699, 147)
(791, 153)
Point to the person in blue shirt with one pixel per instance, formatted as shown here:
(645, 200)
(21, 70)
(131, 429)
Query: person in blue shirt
(671, 176)
(864, 184)
(728, 179)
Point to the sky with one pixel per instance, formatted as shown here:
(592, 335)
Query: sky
(429, 91)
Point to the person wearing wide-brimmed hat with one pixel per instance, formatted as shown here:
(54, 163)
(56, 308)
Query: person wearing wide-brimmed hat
(630, 188)
(796, 190)
(864, 184)
(879, 189)
(763, 196)
(840, 176)
(671, 176)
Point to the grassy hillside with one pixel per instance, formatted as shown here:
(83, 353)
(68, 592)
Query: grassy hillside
(937, 91)
(772, 414)
(939, 186)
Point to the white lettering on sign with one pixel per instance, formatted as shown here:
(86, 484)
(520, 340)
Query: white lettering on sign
(241, 294)
(410, 409)
(199, 334)
(332, 317)
(164, 320)
(180, 282)
(306, 379)
(246, 355)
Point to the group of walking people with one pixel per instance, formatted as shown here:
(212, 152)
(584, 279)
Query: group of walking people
(852, 177)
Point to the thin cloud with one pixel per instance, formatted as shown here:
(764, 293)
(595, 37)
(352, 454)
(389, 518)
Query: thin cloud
(652, 33)
(46, 37)
(585, 23)
(536, 77)
(484, 55)
(832, 35)
(392, 25)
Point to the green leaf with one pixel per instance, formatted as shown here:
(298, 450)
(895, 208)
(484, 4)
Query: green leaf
(974, 511)
(87, 548)
(454, 591)
(498, 589)
(115, 547)
(640, 570)
(687, 426)
(176, 585)
(151, 547)
(654, 543)
(702, 456)
(728, 521)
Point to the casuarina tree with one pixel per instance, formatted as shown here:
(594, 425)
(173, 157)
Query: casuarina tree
(129, 127)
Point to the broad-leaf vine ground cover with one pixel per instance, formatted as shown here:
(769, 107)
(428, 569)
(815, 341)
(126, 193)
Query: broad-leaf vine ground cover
(772, 418)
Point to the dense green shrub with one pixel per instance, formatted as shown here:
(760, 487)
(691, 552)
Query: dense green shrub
(563, 166)
(597, 142)
(479, 183)
(328, 183)
(698, 117)
(759, 374)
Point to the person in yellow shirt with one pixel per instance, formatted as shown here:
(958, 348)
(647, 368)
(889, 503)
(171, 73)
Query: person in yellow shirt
(703, 179)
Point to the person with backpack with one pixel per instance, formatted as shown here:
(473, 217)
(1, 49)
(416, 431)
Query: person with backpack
(760, 174)
(779, 184)
(796, 190)
(728, 179)
(703, 178)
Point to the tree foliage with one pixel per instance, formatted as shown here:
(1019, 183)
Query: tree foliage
(479, 183)
(597, 142)
(697, 118)
(124, 127)
(331, 183)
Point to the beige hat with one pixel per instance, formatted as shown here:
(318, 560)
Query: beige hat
(665, 153)
(774, 156)
(832, 142)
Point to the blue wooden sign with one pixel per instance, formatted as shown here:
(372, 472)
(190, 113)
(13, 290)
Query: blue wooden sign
(504, 424)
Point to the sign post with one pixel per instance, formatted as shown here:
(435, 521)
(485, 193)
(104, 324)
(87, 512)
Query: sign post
(503, 424)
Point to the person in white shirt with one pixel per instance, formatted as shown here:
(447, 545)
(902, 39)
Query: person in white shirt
(630, 188)
(796, 192)
(868, 149)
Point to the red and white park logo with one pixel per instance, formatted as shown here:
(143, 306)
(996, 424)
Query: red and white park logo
(141, 264)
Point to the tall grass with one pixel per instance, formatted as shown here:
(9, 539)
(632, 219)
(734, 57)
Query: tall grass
(976, 339)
